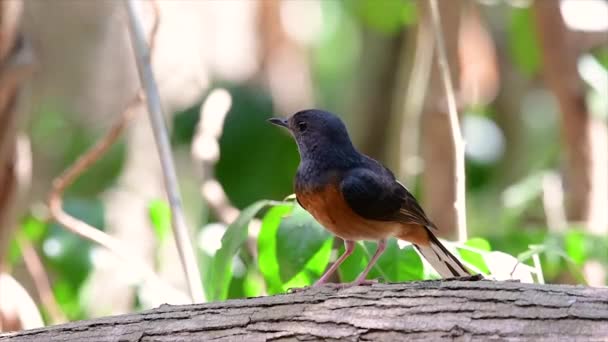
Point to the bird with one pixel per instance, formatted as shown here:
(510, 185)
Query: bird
(357, 198)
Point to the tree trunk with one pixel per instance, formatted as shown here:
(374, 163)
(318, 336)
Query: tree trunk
(437, 149)
(429, 310)
(584, 137)
(15, 67)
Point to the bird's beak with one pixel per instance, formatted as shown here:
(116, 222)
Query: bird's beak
(279, 122)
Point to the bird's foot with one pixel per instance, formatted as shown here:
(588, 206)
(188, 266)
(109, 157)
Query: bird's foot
(337, 286)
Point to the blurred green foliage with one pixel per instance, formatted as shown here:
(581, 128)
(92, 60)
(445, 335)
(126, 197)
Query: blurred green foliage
(248, 139)
(523, 43)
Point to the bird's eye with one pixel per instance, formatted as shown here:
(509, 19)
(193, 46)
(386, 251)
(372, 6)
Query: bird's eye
(302, 126)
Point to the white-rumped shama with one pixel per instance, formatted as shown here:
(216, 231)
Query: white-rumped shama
(357, 198)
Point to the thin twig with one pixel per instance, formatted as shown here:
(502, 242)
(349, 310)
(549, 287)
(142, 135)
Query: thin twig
(81, 228)
(91, 156)
(157, 120)
(444, 68)
(85, 230)
(41, 280)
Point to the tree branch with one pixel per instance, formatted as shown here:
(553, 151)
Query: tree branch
(85, 230)
(429, 310)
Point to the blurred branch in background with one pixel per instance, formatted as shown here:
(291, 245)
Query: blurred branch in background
(371, 106)
(181, 233)
(472, 68)
(456, 135)
(413, 76)
(206, 153)
(438, 152)
(89, 232)
(285, 60)
(41, 280)
(16, 65)
(585, 139)
(562, 78)
(553, 202)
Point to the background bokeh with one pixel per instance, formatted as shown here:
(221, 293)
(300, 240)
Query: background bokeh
(531, 83)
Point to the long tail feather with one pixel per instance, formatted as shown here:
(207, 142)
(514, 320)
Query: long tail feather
(444, 262)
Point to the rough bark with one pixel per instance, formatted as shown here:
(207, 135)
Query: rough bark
(429, 310)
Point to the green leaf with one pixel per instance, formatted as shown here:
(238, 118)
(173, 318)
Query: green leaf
(299, 238)
(220, 272)
(313, 269)
(523, 43)
(473, 258)
(67, 296)
(394, 265)
(397, 264)
(267, 247)
(385, 16)
(576, 246)
(33, 230)
(160, 215)
(253, 284)
(354, 264)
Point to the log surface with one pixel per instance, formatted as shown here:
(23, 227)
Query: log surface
(427, 310)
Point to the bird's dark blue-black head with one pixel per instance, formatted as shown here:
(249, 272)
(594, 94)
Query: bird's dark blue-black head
(319, 135)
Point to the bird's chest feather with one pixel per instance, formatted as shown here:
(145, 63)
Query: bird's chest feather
(327, 205)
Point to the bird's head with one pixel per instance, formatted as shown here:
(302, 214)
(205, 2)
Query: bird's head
(316, 131)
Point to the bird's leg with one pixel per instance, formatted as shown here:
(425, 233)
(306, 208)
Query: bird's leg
(349, 249)
(361, 278)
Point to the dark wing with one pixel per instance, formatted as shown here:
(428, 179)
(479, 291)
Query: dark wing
(378, 196)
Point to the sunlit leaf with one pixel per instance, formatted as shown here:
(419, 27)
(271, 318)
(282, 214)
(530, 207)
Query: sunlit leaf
(253, 284)
(398, 264)
(267, 247)
(576, 246)
(395, 264)
(220, 272)
(299, 238)
(313, 269)
(160, 215)
(354, 264)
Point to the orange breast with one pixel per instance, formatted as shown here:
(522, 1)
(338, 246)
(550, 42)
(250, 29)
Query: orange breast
(330, 209)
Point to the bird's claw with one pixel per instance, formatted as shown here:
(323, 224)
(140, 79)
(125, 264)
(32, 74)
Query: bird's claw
(336, 286)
